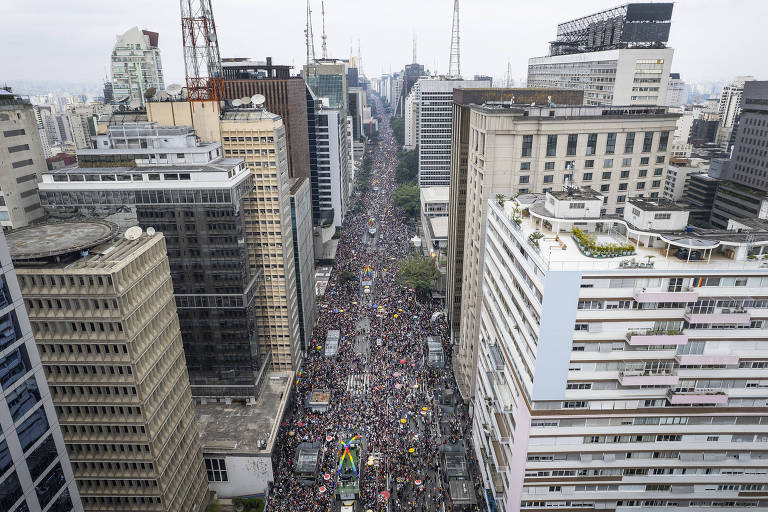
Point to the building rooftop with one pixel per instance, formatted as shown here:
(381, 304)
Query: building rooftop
(56, 239)
(439, 227)
(218, 165)
(434, 194)
(242, 429)
(248, 114)
(574, 193)
(555, 112)
(657, 205)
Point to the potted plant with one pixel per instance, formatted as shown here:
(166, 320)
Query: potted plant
(500, 199)
(650, 257)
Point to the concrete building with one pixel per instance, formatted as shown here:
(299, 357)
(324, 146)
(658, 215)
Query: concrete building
(749, 161)
(617, 56)
(463, 99)
(83, 120)
(334, 167)
(303, 258)
(700, 194)
(35, 471)
(435, 99)
(285, 96)
(161, 178)
(677, 91)
(516, 149)
(679, 173)
(412, 118)
(136, 66)
(22, 162)
(734, 201)
(328, 79)
(610, 383)
(102, 312)
(729, 109)
(259, 137)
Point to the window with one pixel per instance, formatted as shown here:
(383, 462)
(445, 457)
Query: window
(622, 186)
(640, 185)
(624, 174)
(576, 206)
(647, 142)
(658, 171)
(588, 164)
(608, 163)
(524, 179)
(626, 162)
(525, 166)
(655, 183)
(549, 166)
(587, 176)
(642, 173)
(551, 145)
(606, 175)
(548, 178)
(527, 145)
(610, 144)
(572, 141)
(644, 160)
(660, 159)
(14, 133)
(619, 211)
(592, 144)
(604, 188)
(662, 216)
(217, 470)
(621, 199)
(663, 140)
(629, 143)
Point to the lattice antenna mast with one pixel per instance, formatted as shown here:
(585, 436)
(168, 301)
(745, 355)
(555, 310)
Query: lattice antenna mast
(508, 82)
(202, 60)
(309, 36)
(454, 68)
(359, 59)
(414, 47)
(325, 36)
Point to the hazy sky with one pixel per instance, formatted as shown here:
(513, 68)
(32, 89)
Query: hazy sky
(72, 40)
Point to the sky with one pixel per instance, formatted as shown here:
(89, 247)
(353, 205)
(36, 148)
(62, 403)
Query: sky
(714, 40)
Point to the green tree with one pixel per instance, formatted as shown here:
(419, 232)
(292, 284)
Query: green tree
(408, 166)
(417, 272)
(398, 129)
(407, 197)
(347, 276)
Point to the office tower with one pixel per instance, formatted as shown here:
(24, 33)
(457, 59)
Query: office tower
(21, 161)
(328, 79)
(617, 56)
(303, 258)
(729, 109)
(412, 126)
(136, 66)
(102, 312)
(516, 149)
(462, 101)
(681, 146)
(334, 174)
(435, 98)
(259, 137)
(35, 471)
(395, 90)
(677, 91)
(620, 358)
(411, 75)
(160, 177)
(285, 96)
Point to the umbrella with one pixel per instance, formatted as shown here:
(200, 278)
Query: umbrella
(396, 374)
(398, 385)
(411, 450)
(417, 482)
(300, 424)
(403, 421)
(384, 494)
(291, 433)
(402, 361)
(322, 489)
(326, 477)
(329, 438)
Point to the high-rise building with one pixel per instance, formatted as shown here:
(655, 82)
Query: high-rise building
(729, 109)
(136, 65)
(620, 358)
(35, 471)
(328, 79)
(617, 56)
(435, 99)
(259, 137)
(334, 173)
(285, 96)
(749, 161)
(517, 149)
(412, 126)
(463, 99)
(303, 258)
(677, 91)
(83, 120)
(108, 93)
(21, 161)
(102, 312)
(162, 178)
(679, 174)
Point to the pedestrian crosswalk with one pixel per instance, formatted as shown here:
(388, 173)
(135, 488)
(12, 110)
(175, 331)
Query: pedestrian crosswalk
(357, 384)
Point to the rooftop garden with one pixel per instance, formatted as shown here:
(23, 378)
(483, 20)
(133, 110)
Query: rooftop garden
(588, 245)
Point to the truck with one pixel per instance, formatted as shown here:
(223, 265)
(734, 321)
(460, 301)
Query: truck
(332, 343)
(349, 473)
(366, 279)
(372, 226)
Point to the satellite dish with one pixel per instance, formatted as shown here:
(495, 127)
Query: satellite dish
(173, 89)
(151, 231)
(237, 103)
(246, 100)
(258, 99)
(149, 93)
(132, 233)
(121, 108)
(162, 95)
(135, 103)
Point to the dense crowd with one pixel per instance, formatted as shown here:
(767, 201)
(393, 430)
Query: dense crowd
(401, 386)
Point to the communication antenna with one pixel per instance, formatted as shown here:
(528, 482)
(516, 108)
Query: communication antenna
(135, 103)
(258, 100)
(132, 233)
(173, 89)
(325, 36)
(202, 60)
(309, 36)
(236, 103)
(163, 95)
(246, 100)
(454, 68)
(151, 231)
(414, 47)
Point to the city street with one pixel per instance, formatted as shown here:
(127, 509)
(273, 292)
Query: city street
(381, 387)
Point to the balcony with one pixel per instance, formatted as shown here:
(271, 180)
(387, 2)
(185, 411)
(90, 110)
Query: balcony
(643, 296)
(700, 359)
(697, 397)
(656, 337)
(647, 378)
(724, 316)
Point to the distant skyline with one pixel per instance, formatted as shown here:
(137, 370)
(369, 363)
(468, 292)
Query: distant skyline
(713, 40)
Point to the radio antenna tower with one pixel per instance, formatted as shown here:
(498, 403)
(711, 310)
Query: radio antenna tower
(309, 36)
(414, 47)
(202, 60)
(508, 81)
(359, 59)
(325, 48)
(454, 68)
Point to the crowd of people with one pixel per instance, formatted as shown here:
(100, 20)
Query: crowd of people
(398, 415)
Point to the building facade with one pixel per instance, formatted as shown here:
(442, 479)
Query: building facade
(729, 109)
(35, 471)
(136, 66)
(22, 162)
(303, 258)
(334, 166)
(749, 161)
(613, 383)
(677, 91)
(104, 319)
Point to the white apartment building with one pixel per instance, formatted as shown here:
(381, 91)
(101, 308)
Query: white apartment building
(435, 99)
(516, 149)
(679, 175)
(624, 371)
(334, 163)
(681, 148)
(625, 76)
(136, 65)
(412, 118)
(729, 109)
(677, 91)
